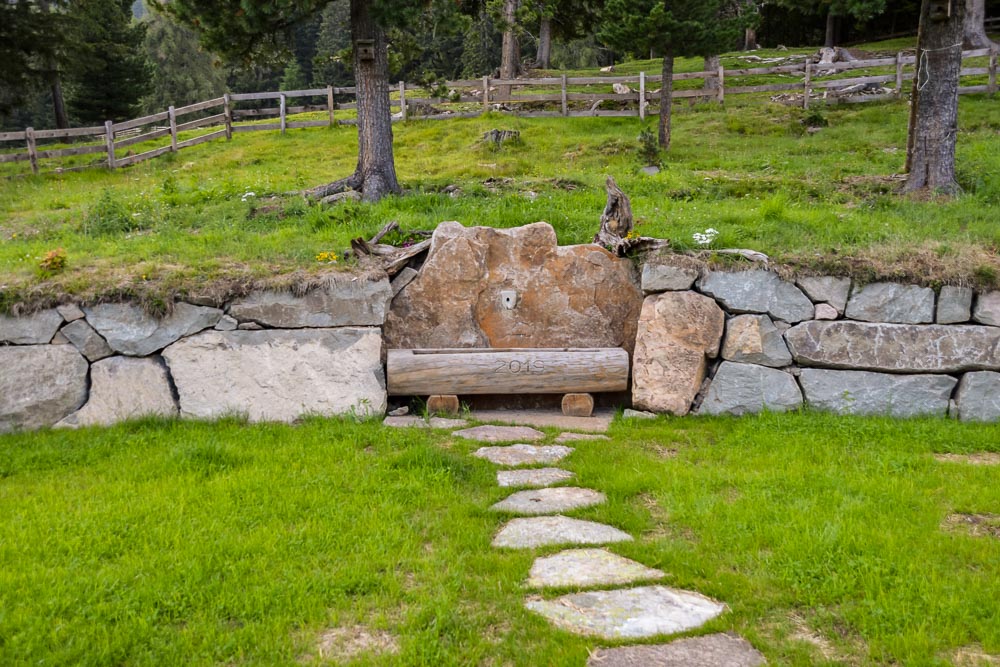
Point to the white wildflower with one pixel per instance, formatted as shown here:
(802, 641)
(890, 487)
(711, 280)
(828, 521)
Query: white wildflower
(706, 237)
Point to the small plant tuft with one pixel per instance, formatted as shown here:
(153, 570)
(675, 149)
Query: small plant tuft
(53, 262)
(649, 148)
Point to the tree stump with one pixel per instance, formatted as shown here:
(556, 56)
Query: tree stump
(499, 137)
(616, 221)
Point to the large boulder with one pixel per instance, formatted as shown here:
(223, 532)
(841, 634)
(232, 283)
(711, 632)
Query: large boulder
(572, 296)
(678, 333)
(35, 329)
(341, 302)
(898, 348)
(753, 339)
(978, 397)
(279, 375)
(39, 385)
(757, 292)
(739, 389)
(125, 388)
(130, 330)
(866, 393)
(892, 303)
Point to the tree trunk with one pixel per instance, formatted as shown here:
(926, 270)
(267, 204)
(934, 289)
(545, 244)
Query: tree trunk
(711, 65)
(544, 58)
(750, 39)
(973, 26)
(832, 23)
(58, 102)
(666, 99)
(933, 129)
(510, 51)
(375, 175)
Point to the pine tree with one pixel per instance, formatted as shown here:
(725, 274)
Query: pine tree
(182, 72)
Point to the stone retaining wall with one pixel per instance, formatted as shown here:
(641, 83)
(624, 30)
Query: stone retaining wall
(268, 356)
(703, 341)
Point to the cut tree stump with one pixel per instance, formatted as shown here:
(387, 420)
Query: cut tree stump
(446, 404)
(578, 405)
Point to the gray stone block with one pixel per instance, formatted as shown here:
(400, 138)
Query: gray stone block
(130, 330)
(753, 339)
(125, 388)
(827, 289)
(34, 329)
(987, 309)
(667, 278)
(740, 389)
(87, 341)
(757, 292)
(39, 385)
(867, 393)
(978, 397)
(892, 303)
(954, 305)
(341, 302)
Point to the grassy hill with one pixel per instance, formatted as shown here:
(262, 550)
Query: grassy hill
(815, 190)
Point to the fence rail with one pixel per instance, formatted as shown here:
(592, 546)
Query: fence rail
(568, 97)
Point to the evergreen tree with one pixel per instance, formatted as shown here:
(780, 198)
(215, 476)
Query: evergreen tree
(109, 72)
(333, 46)
(182, 72)
(293, 78)
(32, 38)
(672, 28)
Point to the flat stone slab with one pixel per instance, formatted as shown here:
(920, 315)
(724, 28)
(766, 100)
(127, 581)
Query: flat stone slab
(583, 568)
(631, 613)
(571, 437)
(718, 650)
(522, 455)
(414, 421)
(500, 433)
(596, 423)
(545, 531)
(977, 459)
(533, 477)
(549, 501)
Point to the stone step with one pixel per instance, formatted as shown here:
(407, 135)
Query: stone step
(570, 437)
(533, 477)
(555, 530)
(407, 421)
(500, 434)
(632, 613)
(550, 500)
(522, 454)
(720, 649)
(583, 568)
(597, 423)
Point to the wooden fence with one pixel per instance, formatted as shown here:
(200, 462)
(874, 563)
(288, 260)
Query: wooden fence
(567, 96)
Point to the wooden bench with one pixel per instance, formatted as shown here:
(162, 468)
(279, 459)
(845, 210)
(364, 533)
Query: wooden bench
(445, 374)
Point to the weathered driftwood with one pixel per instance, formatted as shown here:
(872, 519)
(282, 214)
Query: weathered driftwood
(616, 221)
(829, 55)
(391, 258)
(751, 255)
(506, 371)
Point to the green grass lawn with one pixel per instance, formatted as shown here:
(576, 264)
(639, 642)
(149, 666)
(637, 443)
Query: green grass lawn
(816, 202)
(173, 543)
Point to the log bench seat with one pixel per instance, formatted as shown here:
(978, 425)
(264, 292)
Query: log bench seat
(575, 372)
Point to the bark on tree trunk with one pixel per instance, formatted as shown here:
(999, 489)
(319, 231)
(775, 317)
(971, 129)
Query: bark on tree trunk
(510, 50)
(933, 128)
(832, 22)
(749, 39)
(58, 102)
(666, 99)
(711, 65)
(375, 175)
(973, 26)
(545, 44)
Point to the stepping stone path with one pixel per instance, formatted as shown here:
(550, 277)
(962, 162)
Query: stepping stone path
(588, 567)
(500, 434)
(546, 531)
(718, 650)
(549, 500)
(521, 455)
(632, 613)
(640, 612)
(533, 477)
(407, 421)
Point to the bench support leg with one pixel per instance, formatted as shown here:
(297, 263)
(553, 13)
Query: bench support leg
(578, 405)
(443, 403)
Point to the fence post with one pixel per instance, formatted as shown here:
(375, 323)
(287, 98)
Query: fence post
(722, 84)
(227, 111)
(402, 99)
(281, 111)
(993, 69)
(486, 94)
(172, 119)
(565, 97)
(329, 104)
(899, 75)
(109, 141)
(29, 140)
(809, 69)
(642, 96)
